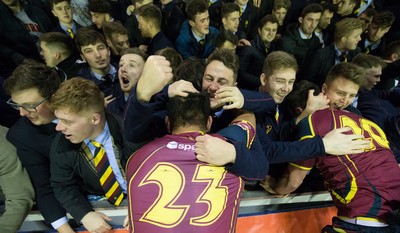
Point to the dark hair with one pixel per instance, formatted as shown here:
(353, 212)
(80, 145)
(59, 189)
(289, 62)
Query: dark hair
(134, 50)
(383, 19)
(57, 40)
(151, 13)
(225, 36)
(114, 27)
(191, 70)
(298, 97)
(228, 58)
(191, 110)
(311, 8)
(99, 6)
(328, 6)
(368, 61)
(391, 48)
(88, 36)
(195, 7)
(174, 58)
(278, 4)
(54, 2)
(265, 20)
(32, 74)
(370, 12)
(229, 8)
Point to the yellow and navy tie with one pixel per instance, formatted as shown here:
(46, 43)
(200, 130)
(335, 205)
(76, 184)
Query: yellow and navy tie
(71, 33)
(109, 183)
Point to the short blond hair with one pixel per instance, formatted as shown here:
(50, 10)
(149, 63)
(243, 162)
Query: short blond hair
(78, 95)
(279, 60)
(348, 71)
(346, 26)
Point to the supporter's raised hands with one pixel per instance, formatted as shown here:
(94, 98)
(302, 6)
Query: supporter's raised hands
(157, 72)
(314, 103)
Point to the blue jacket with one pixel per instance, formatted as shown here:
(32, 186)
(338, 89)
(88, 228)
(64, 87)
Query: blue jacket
(269, 131)
(188, 46)
(145, 121)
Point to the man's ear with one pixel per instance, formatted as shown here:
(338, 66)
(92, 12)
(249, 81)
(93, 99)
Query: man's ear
(168, 124)
(300, 19)
(191, 23)
(324, 88)
(209, 123)
(95, 118)
(263, 79)
(57, 56)
(107, 17)
(298, 111)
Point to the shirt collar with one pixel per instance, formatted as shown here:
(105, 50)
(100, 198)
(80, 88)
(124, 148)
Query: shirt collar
(303, 36)
(102, 137)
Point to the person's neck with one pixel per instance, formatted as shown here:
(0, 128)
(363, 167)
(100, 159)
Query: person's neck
(153, 33)
(201, 35)
(185, 129)
(16, 8)
(102, 71)
(67, 25)
(341, 47)
(318, 30)
(98, 130)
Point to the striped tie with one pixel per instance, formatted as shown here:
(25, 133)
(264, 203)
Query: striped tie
(109, 183)
(71, 33)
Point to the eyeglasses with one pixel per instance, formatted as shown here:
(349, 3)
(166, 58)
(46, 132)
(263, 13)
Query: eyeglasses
(28, 108)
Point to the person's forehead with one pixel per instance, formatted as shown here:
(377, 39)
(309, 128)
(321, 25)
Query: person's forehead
(313, 15)
(132, 58)
(287, 74)
(217, 69)
(201, 15)
(96, 44)
(29, 95)
(343, 84)
(270, 25)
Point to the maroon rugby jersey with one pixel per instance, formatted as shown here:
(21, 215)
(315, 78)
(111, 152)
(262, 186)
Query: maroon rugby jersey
(361, 185)
(169, 190)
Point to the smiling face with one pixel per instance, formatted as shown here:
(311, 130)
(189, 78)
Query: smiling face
(341, 92)
(279, 84)
(268, 32)
(63, 12)
(97, 56)
(201, 24)
(216, 75)
(130, 69)
(30, 97)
